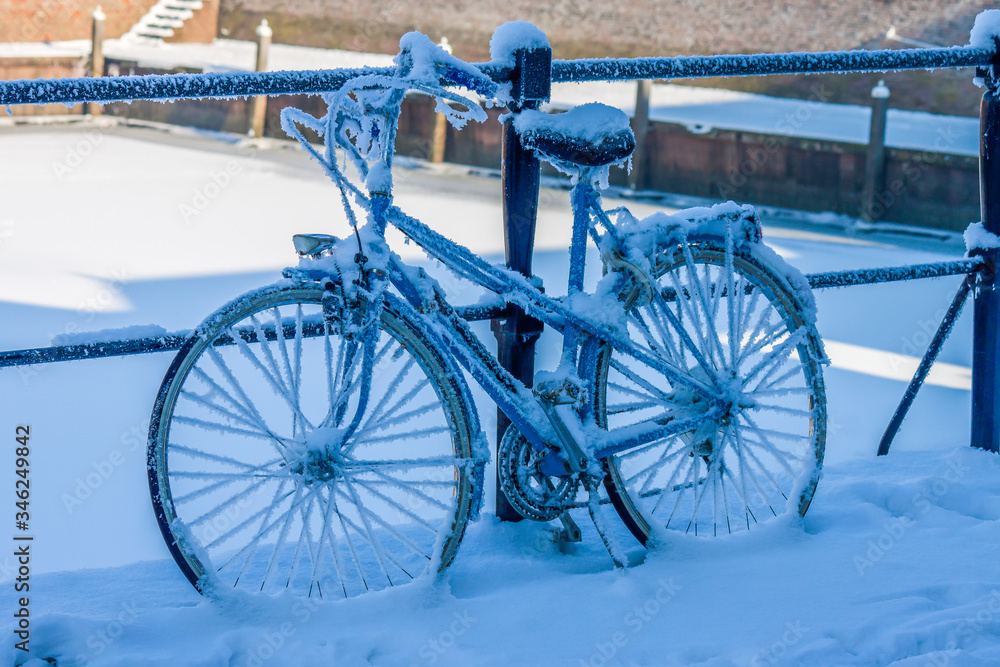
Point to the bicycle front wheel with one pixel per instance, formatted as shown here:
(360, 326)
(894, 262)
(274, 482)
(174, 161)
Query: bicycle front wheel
(724, 315)
(270, 471)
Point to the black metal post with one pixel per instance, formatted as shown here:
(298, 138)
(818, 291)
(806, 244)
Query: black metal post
(516, 334)
(875, 158)
(640, 127)
(924, 369)
(986, 318)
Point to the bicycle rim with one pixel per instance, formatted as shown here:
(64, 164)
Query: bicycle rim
(256, 485)
(763, 457)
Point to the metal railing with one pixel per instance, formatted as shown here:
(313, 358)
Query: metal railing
(531, 78)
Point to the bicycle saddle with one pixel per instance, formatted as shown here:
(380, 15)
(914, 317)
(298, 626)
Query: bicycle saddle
(590, 135)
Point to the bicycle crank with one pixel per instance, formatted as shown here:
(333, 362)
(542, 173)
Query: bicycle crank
(533, 494)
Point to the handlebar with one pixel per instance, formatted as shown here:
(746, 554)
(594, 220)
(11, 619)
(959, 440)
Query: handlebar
(480, 84)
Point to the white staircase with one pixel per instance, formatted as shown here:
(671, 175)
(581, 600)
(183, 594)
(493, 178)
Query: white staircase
(163, 19)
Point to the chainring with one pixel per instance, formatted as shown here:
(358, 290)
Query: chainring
(534, 495)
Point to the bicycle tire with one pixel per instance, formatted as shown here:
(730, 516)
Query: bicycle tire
(760, 461)
(255, 488)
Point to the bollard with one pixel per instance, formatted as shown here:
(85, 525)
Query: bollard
(440, 122)
(640, 128)
(259, 113)
(986, 313)
(520, 172)
(96, 55)
(875, 159)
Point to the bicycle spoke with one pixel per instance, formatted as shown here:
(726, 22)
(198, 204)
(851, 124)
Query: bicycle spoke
(232, 430)
(245, 405)
(368, 486)
(347, 538)
(777, 356)
(282, 536)
(197, 453)
(221, 411)
(316, 575)
(690, 479)
(405, 487)
(645, 384)
(416, 433)
(395, 533)
(372, 540)
(402, 418)
(215, 511)
(208, 489)
(253, 550)
(666, 457)
(271, 380)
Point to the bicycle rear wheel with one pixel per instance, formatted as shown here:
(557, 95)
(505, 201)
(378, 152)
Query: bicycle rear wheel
(268, 471)
(727, 316)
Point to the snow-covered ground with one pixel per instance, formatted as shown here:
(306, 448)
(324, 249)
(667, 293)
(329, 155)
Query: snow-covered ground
(896, 562)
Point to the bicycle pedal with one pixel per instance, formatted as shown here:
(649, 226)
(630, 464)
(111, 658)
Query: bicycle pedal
(570, 532)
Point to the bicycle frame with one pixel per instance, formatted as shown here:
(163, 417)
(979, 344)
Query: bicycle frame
(525, 410)
(520, 404)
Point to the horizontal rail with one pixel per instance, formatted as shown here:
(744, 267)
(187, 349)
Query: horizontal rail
(765, 64)
(241, 84)
(893, 274)
(173, 342)
(100, 350)
(176, 86)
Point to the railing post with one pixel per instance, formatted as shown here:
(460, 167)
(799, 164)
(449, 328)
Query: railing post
(259, 113)
(96, 55)
(986, 317)
(516, 334)
(875, 158)
(440, 134)
(640, 128)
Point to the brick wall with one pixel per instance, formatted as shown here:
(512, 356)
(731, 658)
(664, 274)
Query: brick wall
(599, 27)
(202, 27)
(43, 68)
(53, 20)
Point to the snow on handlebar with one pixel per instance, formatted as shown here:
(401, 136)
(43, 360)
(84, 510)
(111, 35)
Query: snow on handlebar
(428, 66)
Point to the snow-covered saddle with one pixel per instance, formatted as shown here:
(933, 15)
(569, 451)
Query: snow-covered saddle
(590, 135)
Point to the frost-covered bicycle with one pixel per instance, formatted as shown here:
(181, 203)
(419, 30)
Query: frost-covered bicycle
(318, 435)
